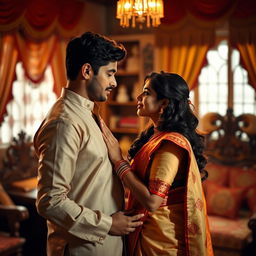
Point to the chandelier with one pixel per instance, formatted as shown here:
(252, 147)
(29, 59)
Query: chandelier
(140, 11)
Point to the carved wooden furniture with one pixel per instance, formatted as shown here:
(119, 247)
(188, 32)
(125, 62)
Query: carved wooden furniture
(20, 161)
(11, 215)
(230, 139)
(231, 186)
(19, 177)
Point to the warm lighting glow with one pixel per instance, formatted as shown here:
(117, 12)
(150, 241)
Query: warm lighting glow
(140, 11)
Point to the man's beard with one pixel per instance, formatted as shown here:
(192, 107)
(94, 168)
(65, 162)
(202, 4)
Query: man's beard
(95, 91)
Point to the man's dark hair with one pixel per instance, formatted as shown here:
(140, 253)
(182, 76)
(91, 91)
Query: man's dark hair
(92, 48)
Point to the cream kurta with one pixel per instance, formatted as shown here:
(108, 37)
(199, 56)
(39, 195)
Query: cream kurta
(77, 191)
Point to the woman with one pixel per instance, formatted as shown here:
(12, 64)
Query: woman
(165, 172)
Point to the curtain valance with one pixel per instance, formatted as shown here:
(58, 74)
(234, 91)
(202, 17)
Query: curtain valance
(38, 19)
(207, 13)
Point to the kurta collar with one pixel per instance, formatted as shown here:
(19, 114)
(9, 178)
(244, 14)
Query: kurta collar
(77, 99)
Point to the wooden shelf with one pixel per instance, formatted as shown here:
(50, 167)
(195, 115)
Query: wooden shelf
(126, 73)
(122, 104)
(113, 112)
(125, 130)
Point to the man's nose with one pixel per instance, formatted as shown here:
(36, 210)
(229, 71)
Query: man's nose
(114, 83)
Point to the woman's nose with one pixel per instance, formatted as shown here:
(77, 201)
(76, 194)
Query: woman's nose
(139, 97)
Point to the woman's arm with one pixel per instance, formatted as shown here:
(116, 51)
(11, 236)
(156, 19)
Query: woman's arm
(165, 163)
(150, 201)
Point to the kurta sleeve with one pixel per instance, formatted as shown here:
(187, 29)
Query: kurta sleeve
(164, 168)
(57, 146)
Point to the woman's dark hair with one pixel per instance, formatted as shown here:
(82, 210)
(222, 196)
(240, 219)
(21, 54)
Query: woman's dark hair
(92, 48)
(177, 116)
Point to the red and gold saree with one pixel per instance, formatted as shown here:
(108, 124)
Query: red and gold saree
(180, 225)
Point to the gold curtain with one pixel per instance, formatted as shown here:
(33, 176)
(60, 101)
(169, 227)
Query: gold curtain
(248, 56)
(243, 37)
(35, 56)
(58, 67)
(184, 52)
(8, 60)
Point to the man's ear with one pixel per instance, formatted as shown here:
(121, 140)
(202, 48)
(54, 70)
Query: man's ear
(86, 70)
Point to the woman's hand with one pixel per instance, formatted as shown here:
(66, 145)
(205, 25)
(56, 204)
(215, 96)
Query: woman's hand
(114, 150)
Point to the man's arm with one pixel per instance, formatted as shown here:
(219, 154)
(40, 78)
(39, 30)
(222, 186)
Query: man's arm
(57, 146)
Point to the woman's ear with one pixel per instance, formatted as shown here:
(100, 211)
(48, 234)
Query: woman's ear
(165, 103)
(86, 70)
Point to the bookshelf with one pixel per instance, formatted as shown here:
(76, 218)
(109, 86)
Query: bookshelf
(120, 111)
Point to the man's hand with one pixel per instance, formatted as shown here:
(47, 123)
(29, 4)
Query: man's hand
(123, 224)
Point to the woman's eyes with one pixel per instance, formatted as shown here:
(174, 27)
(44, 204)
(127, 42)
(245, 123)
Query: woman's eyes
(145, 93)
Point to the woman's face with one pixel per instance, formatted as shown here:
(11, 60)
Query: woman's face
(147, 103)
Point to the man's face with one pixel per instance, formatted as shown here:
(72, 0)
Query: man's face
(103, 83)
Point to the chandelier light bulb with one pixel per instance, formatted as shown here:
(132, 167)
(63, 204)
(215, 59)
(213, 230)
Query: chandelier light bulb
(132, 11)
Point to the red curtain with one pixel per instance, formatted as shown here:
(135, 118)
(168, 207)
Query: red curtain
(207, 11)
(35, 32)
(38, 19)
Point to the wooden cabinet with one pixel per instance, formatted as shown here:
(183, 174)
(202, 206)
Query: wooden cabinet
(34, 229)
(119, 112)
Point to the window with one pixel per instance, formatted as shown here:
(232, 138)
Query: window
(244, 94)
(29, 105)
(213, 90)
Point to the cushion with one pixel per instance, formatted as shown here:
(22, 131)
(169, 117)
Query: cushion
(229, 233)
(223, 201)
(25, 185)
(8, 243)
(245, 178)
(217, 173)
(251, 199)
(4, 197)
(239, 177)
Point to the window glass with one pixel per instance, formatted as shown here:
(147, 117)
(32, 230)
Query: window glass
(213, 84)
(29, 105)
(244, 94)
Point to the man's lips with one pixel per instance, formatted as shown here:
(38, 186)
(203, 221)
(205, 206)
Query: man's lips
(109, 90)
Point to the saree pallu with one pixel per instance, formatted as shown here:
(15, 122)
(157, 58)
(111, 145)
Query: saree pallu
(187, 209)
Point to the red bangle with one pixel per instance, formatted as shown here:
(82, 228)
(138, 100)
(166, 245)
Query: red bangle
(122, 167)
(124, 173)
(117, 164)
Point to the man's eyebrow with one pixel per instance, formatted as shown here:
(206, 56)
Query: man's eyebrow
(112, 70)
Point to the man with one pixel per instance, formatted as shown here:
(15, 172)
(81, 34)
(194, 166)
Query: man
(78, 193)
